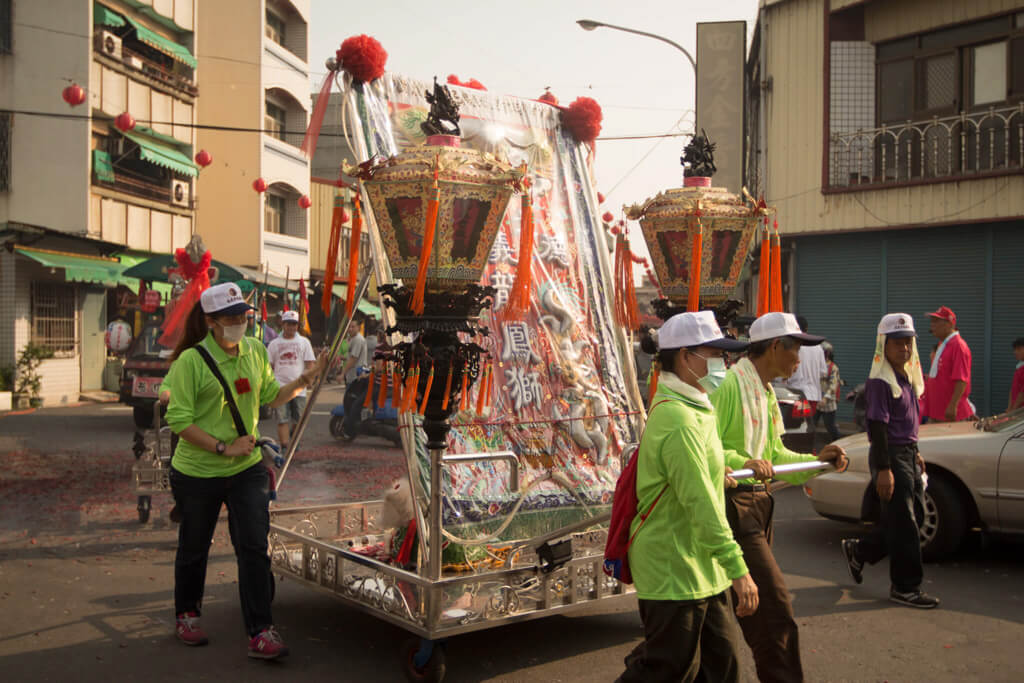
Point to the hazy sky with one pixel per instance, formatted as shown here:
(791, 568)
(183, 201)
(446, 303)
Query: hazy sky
(518, 48)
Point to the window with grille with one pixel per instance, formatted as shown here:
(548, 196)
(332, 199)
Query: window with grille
(5, 27)
(274, 213)
(54, 323)
(275, 28)
(275, 120)
(5, 151)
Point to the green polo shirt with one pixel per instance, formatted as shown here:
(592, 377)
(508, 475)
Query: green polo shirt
(198, 399)
(685, 550)
(729, 411)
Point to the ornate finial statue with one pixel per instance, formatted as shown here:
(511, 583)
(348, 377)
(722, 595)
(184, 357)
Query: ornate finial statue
(698, 156)
(443, 118)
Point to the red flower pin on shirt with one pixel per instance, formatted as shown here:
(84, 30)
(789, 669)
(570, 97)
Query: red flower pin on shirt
(242, 385)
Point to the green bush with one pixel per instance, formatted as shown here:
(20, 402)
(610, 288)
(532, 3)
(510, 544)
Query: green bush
(31, 357)
(6, 378)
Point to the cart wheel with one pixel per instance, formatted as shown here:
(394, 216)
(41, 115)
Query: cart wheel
(423, 660)
(336, 426)
(145, 503)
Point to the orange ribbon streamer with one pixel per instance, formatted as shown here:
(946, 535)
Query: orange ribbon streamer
(368, 401)
(519, 297)
(693, 300)
(353, 254)
(776, 285)
(447, 387)
(332, 253)
(396, 384)
(430, 226)
(426, 391)
(464, 402)
(382, 393)
(764, 277)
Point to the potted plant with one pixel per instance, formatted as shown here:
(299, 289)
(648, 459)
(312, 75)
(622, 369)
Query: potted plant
(6, 386)
(29, 381)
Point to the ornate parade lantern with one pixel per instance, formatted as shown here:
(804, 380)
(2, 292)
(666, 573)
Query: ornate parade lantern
(698, 236)
(439, 208)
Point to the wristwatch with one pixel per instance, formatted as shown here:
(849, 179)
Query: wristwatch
(221, 447)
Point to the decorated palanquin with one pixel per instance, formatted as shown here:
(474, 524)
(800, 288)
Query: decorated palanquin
(563, 395)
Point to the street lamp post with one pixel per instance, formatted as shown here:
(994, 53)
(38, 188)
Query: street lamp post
(589, 25)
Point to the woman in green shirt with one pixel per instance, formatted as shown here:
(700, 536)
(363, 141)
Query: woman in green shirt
(683, 556)
(213, 465)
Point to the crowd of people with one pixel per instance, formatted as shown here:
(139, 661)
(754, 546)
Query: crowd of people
(701, 541)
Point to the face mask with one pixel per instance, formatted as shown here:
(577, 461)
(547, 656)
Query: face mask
(715, 376)
(233, 333)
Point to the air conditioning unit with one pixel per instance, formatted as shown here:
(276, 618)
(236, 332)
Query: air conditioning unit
(108, 44)
(181, 192)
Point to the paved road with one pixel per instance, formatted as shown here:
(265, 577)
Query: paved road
(85, 591)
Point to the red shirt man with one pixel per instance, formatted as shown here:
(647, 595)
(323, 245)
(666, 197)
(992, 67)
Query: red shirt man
(948, 383)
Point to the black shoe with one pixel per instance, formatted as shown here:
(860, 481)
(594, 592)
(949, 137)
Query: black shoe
(914, 599)
(855, 566)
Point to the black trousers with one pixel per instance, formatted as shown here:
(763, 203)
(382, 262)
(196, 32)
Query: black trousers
(247, 496)
(771, 631)
(896, 534)
(686, 640)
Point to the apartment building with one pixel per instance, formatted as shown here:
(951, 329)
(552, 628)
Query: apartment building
(253, 56)
(890, 135)
(81, 199)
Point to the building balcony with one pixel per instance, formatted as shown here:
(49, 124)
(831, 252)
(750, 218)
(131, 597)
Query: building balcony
(176, 193)
(941, 149)
(136, 61)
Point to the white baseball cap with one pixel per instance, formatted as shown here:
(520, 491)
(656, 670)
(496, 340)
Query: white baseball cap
(695, 329)
(225, 298)
(897, 325)
(775, 325)
(290, 317)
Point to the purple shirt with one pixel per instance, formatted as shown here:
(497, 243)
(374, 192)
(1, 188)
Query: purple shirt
(902, 415)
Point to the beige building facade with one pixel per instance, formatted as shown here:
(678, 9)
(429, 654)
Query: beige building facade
(890, 136)
(254, 55)
(80, 200)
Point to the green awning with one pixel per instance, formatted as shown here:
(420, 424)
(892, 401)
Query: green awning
(102, 167)
(161, 154)
(104, 16)
(363, 306)
(79, 267)
(165, 45)
(156, 268)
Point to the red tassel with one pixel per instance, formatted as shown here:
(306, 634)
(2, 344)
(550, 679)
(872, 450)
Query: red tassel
(652, 389)
(382, 394)
(447, 387)
(369, 392)
(433, 206)
(617, 276)
(764, 277)
(519, 298)
(481, 394)
(337, 218)
(693, 301)
(409, 391)
(316, 120)
(776, 286)
(490, 386)
(353, 253)
(464, 403)
(426, 391)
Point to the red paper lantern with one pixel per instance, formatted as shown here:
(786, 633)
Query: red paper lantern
(548, 98)
(305, 202)
(600, 198)
(204, 158)
(607, 217)
(260, 185)
(124, 121)
(74, 94)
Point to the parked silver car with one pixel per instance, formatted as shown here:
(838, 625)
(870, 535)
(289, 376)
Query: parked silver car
(975, 480)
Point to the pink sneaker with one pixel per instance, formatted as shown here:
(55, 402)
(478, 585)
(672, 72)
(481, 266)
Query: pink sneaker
(267, 645)
(189, 631)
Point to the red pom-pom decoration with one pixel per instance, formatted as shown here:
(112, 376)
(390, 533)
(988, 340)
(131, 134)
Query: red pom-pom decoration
(260, 185)
(344, 216)
(204, 158)
(305, 202)
(583, 119)
(607, 217)
(362, 57)
(471, 83)
(548, 98)
(124, 121)
(74, 94)
(600, 198)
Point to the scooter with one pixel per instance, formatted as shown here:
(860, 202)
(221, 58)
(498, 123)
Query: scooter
(373, 421)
